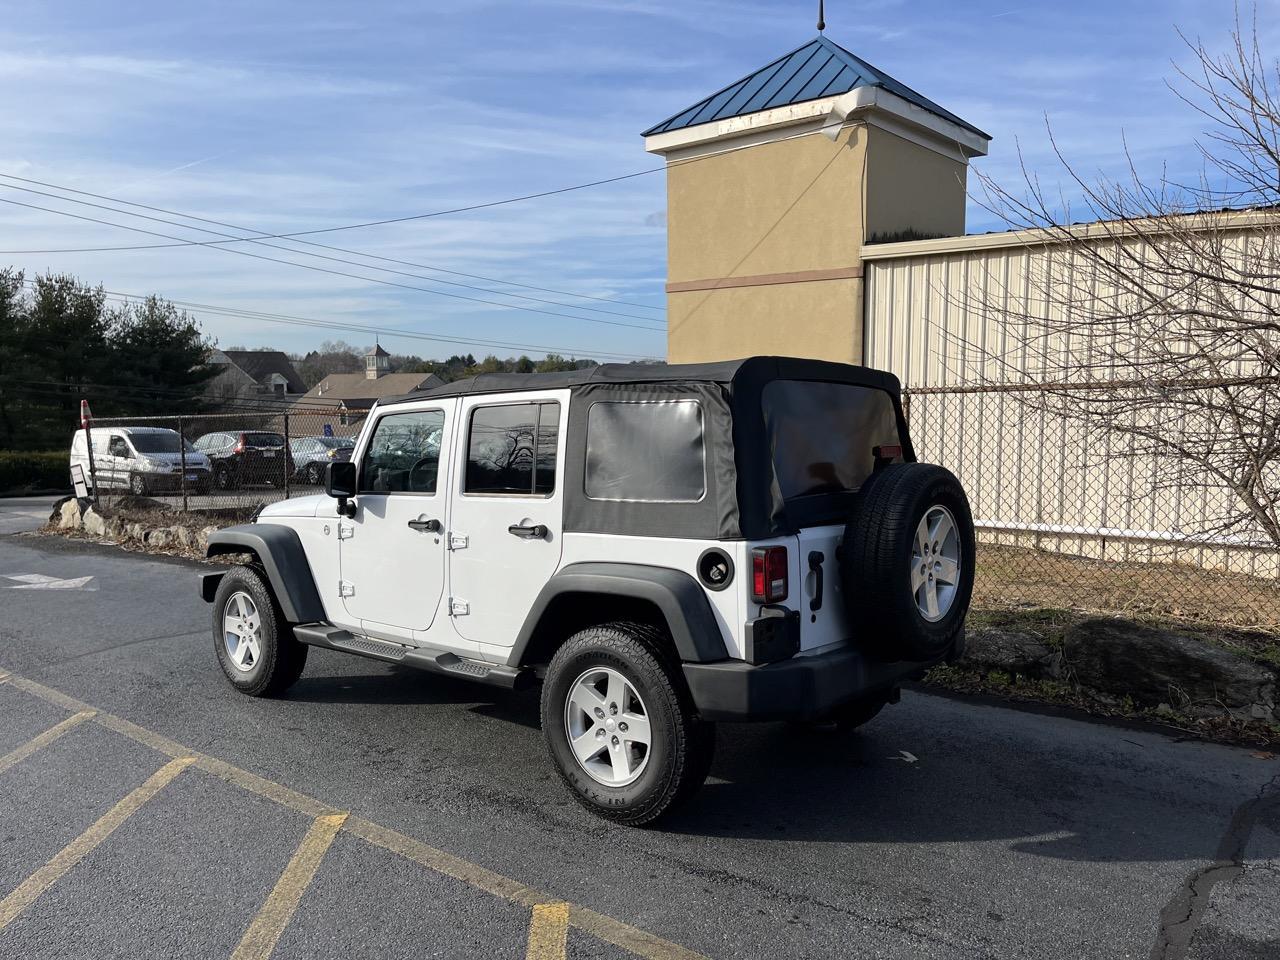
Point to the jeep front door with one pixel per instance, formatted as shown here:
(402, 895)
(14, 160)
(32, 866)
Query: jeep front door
(391, 554)
(505, 515)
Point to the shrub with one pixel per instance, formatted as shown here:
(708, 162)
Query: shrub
(23, 470)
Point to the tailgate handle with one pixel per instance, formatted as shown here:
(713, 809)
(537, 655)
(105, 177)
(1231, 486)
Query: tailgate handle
(815, 564)
(432, 526)
(534, 531)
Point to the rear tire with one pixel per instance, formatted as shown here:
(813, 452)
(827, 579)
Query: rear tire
(138, 485)
(254, 645)
(600, 679)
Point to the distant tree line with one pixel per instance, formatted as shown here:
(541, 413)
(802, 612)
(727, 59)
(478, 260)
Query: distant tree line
(60, 341)
(338, 356)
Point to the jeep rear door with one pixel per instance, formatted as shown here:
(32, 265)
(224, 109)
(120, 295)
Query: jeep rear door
(505, 515)
(391, 553)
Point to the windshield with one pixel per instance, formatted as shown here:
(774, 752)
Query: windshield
(822, 434)
(336, 443)
(166, 442)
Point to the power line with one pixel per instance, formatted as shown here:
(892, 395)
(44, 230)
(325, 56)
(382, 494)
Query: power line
(263, 235)
(709, 155)
(321, 256)
(328, 270)
(392, 332)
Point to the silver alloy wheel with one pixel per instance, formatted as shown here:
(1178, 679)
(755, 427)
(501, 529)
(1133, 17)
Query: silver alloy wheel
(935, 563)
(607, 726)
(242, 631)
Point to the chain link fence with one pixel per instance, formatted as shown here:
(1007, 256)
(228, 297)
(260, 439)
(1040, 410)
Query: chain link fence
(1070, 516)
(225, 463)
(1064, 520)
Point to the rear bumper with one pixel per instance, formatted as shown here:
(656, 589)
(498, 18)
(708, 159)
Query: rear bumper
(801, 688)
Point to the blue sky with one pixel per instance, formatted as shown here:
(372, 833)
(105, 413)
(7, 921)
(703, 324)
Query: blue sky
(295, 116)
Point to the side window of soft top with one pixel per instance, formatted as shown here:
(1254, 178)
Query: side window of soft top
(511, 449)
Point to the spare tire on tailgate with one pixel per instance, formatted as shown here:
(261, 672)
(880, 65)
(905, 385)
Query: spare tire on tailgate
(906, 563)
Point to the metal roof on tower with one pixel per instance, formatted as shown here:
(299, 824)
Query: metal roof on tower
(818, 69)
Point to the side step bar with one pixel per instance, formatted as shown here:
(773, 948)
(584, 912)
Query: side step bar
(424, 658)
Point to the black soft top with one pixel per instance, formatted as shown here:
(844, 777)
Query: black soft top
(742, 496)
(745, 373)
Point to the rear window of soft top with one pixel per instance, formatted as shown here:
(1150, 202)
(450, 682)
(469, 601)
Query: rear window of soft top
(822, 435)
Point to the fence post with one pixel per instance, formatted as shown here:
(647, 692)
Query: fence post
(288, 458)
(182, 448)
(86, 418)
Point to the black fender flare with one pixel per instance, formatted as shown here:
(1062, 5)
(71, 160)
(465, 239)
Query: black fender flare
(682, 602)
(280, 552)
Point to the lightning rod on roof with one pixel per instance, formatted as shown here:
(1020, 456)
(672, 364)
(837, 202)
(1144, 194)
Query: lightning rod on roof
(822, 23)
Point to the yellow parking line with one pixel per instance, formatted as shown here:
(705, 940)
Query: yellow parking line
(599, 925)
(44, 878)
(43, 739)
(629, 938)
(548, 932)
(446, 863)
(260, 939)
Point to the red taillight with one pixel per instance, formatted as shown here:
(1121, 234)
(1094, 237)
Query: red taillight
(769, 574)
(239, 447)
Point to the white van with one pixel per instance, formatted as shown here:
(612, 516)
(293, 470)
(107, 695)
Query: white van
(140, 460)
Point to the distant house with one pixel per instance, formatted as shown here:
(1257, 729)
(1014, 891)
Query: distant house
(350, 395)
(254, 375)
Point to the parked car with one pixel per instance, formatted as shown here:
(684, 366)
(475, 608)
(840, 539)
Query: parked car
(312, 454)
(241, 458)
(141, 460)
(662, 547)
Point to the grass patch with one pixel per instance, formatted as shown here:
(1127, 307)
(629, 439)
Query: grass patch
(1022, 578)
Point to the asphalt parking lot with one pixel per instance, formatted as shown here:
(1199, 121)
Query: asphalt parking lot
(146, 810)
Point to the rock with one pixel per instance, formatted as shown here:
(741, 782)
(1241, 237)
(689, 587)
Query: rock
(69, 517)
(1012, 651)
(205, 534)
(183, 536)
(160, 537)
(94, 523)
(1156, 667)
(135, 531)
(115, 529)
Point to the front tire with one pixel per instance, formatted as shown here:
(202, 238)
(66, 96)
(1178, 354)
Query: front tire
(620, 725)
(255, 647)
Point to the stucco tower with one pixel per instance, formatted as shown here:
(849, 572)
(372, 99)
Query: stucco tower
(776, 182)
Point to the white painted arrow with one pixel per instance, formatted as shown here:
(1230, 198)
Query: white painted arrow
(905, 757)
(40, 581)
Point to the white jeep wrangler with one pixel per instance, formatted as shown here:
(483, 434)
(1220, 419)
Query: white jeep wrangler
(662, 546)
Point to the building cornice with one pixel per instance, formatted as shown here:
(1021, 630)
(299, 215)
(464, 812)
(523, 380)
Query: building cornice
(873, 105)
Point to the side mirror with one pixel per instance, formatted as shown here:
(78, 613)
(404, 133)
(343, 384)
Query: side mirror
(340, 480)
(340, 483)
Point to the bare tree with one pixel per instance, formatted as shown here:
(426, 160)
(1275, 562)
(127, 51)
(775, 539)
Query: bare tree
(1155, 324)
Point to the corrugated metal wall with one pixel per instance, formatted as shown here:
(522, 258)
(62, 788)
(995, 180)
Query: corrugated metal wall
(1034, 479)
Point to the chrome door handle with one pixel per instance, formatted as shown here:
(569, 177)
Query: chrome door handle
(536, 531)
(431, 526)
